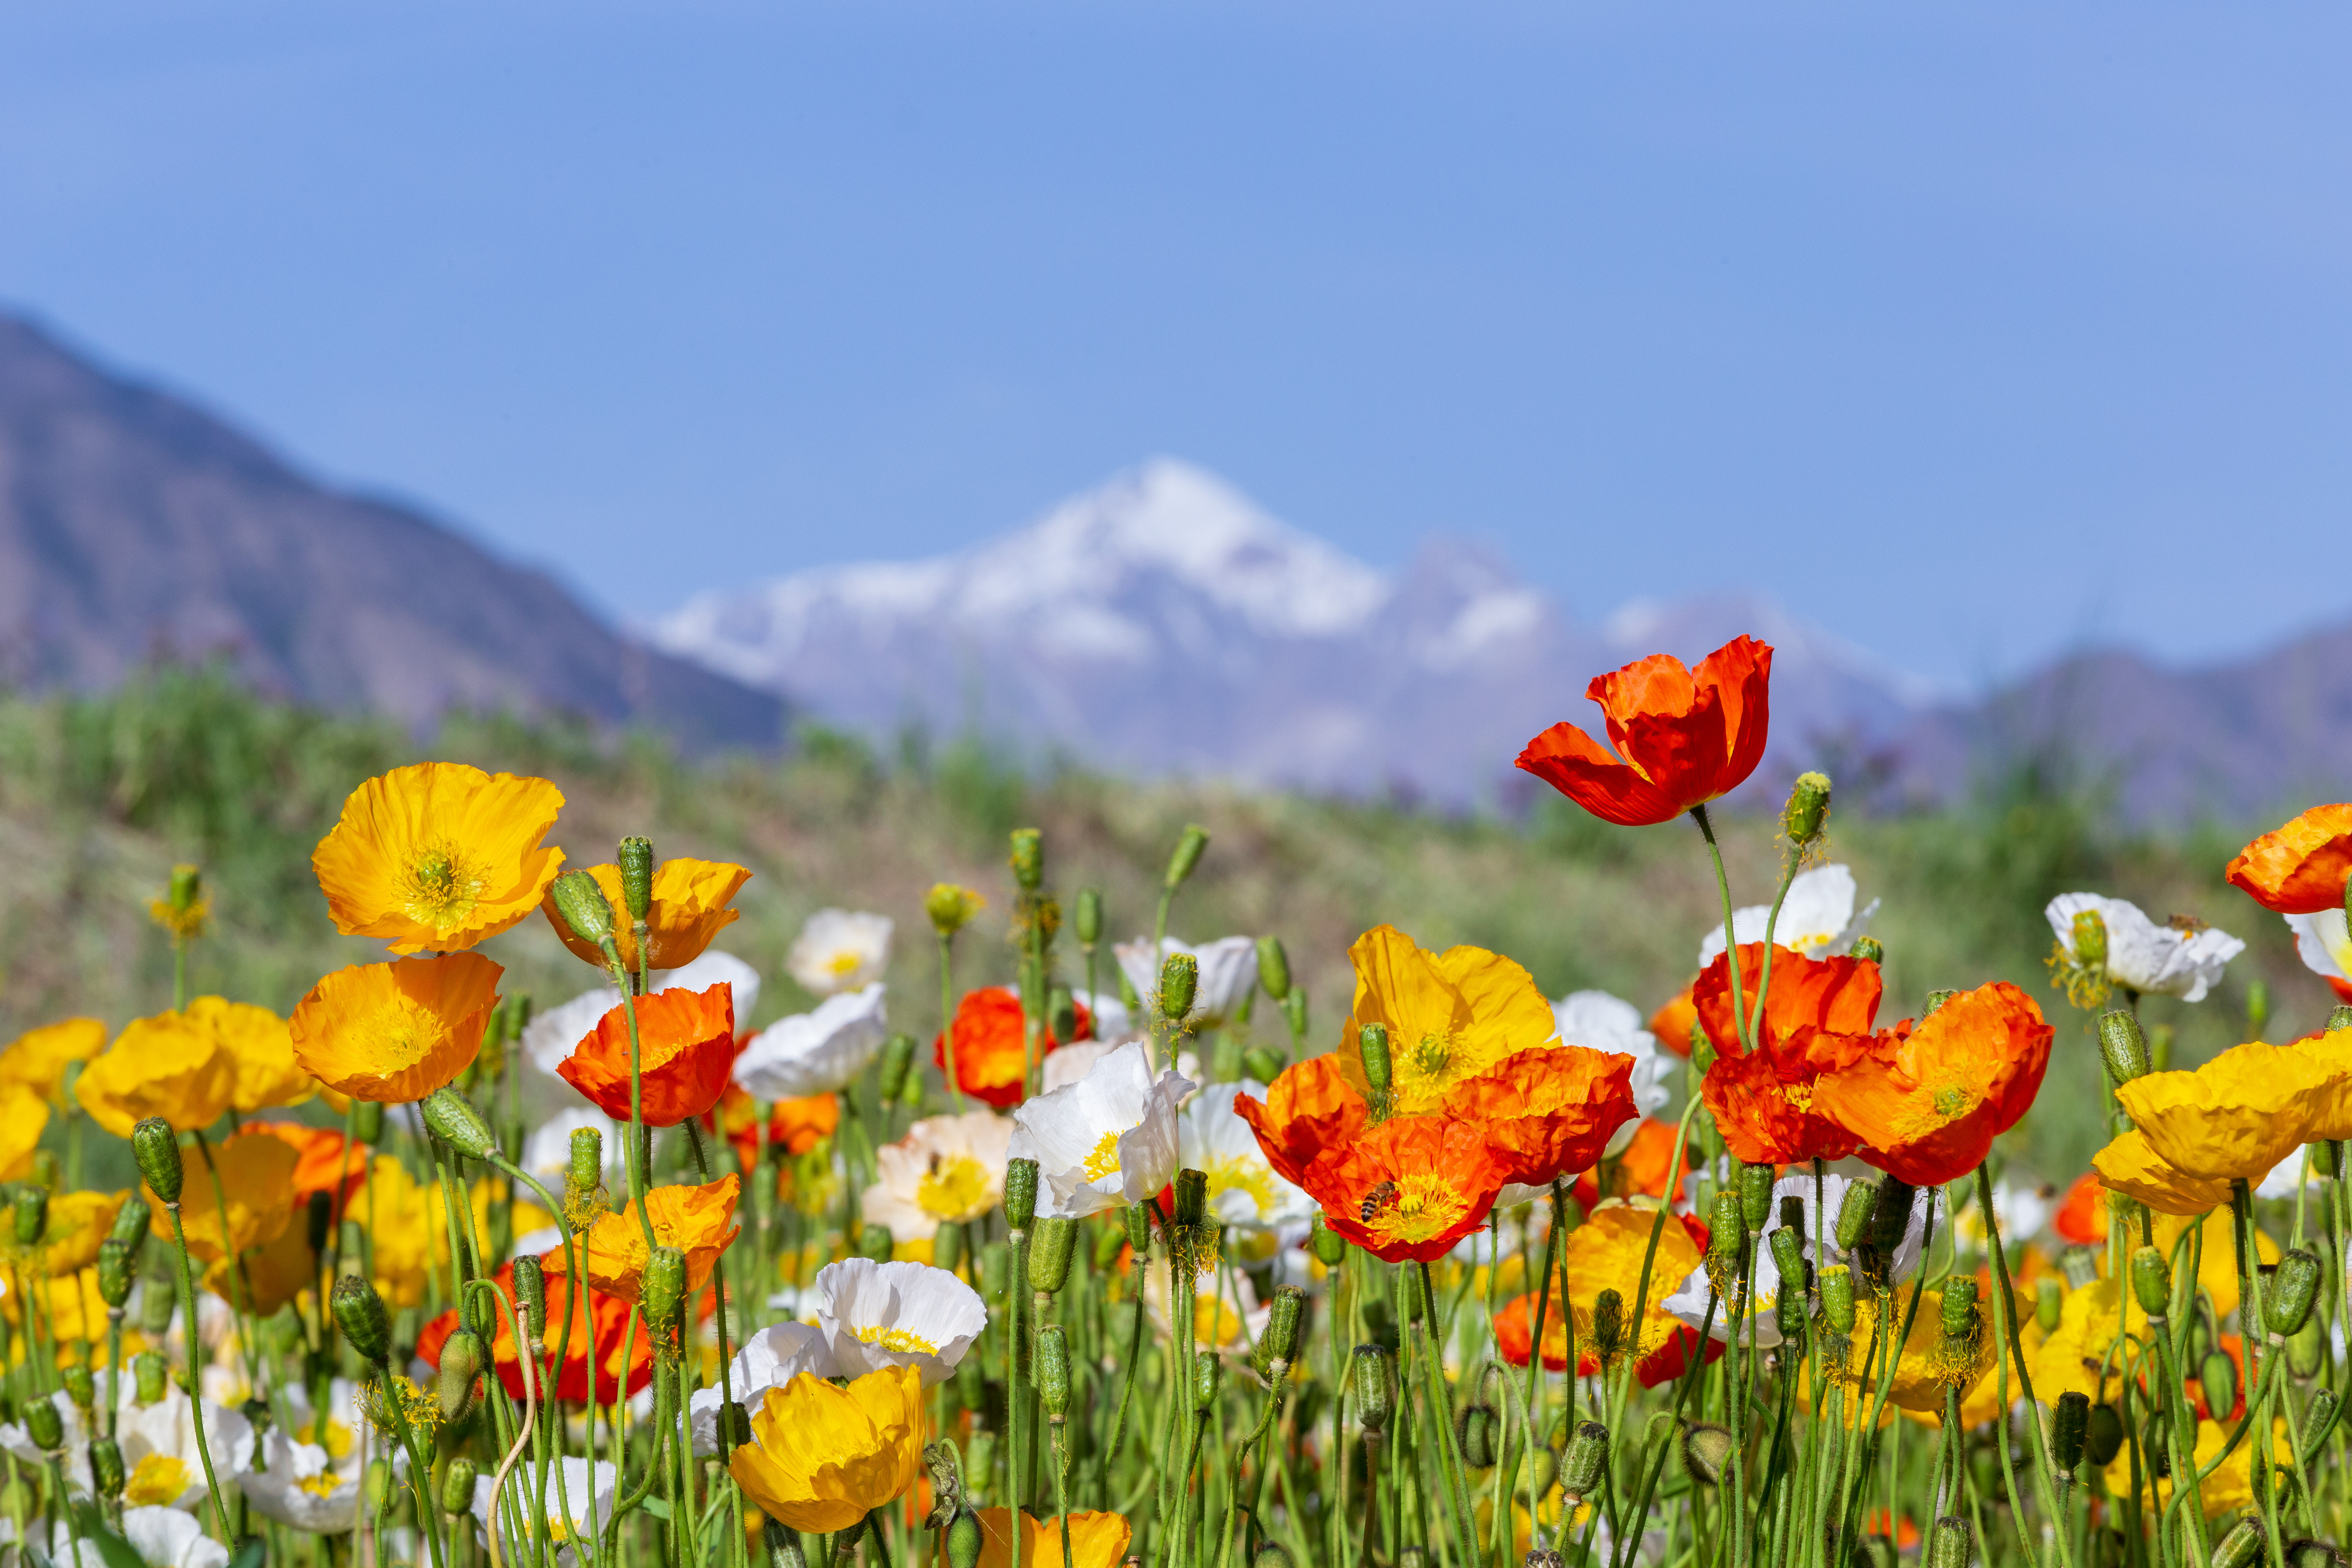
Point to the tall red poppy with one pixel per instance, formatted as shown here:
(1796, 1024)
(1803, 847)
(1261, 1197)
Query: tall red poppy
(1309, 1107)
(601, 1331)
(1763, 1104)
(686, 1043)
(1839, 996)
(1683, 736)
(992, 1045)
(2300, 868)
(1408, 1189)
(1928, 1102)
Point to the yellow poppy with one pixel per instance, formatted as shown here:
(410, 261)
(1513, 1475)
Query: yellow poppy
(38, 1057)
(438, 856)
(1983, 1403)
(77, 1313)
(164, 1066)
(822, 1458)
(77, 1223)
(698, 1221)
(22, 1114)
(689, 907)
(1605, 1253)
(2231, 1485)
(1450, 1016)
(267, 1276)
(402, 1229)
(2130, 1164)
(2235, 1117)
(2329, 1112)
(391, 1031)
(1097, 1540)
(261, 1050)
(256, 1175)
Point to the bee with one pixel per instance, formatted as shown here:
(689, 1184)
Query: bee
(1379, 1198)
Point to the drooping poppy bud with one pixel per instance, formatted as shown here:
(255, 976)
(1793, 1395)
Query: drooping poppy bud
(964, 1540)
(585, 911)
(454, 1120)
(1854, 1214)
(1271, 1555)
(2121, 1044)
(1050, 1252)
(2292, 1289)
(157, 1149)
(1019, 1192)
(1707, 1449)
(637, 861)
(1189, 847)
(360, 1312)
(106, 1467)
(1586, 1461)
(1028, 859)
(462, 1355)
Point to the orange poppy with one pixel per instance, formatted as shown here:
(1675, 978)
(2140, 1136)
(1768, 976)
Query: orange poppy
(2300, 868)
(794, 1126)
(698, 1221)
(1839, 996)
(991, 1049)
(1927, 1104)
(1672, 1023)
(2082, 1217)
(1548, 1113)
(688, 907)
(1409, 1188)
(1884, 1522)
(1650, 1162)
(324, 1161)
(600, 1329)
(686, 1043)
(1763, 1105)
(1308, 1108)
(1683, 736)
(393, 1032)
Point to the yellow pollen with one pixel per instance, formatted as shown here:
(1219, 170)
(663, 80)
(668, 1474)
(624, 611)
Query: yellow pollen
(1104, 1161)
(954, 1188)
(440, 885)
(1800, 1095)
(398, 1036)
(896, 1340)
(1243, 1175)
(157, 1482)
(1427, 1205)
(323, 1484)
(846, 962)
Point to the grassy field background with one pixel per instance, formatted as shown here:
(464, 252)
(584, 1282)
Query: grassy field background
(100, 796)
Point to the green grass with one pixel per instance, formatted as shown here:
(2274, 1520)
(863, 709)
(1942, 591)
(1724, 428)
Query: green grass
(99, 796)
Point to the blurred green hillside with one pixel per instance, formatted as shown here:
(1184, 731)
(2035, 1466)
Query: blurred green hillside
(99, 796)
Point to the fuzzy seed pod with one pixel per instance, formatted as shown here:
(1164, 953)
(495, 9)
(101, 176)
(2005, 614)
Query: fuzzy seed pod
(106, 1467)
(462, 1357)
(117, 1269)
(1188, 854)
(1372, 1043)
(898, 1056)
(360, 1312)
(1837, 1297)
(1020, 1193)
(2217, 1375)
(1608, 1323)
(1273, 967)
(30, 1210)
(1179, 982)
(661, 1292)
(1051, 1248)
(1586, 1461)
(45, 1425)
(1707, 1449)
(1372, 1385)
(1474, 1434)
(2102, 1440)
(963, 1539)
(1788, 1256)
(2151, 1280)
(585, 1170)
(2318, 1421)
(1208, 1376)
(1809, 805)
(1854, 1214)
(1756, 1196)
(1191, 1198)
(2121, 1044)
(2292, 1289)
(2070, 1424)
(583, 908)
(1951, 1544)
(2310, 1553)
(1959, 1308)
(1327, 1245)
(458, 1487)
(1052, 1361)
(1728, 1232)
(637, 858)
(1280, 1343)
(1271, 1555)
(454, 1120)
(157, 1149)
(2241, 1547)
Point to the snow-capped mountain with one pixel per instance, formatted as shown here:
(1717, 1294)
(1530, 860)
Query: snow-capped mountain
(1164, 622)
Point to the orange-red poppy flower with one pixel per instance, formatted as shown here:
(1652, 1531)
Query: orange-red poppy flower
(1838, 995)
(686, 1043)
(1763, 1105)
(1450, 1016)
(1683, 736)
(2300, 868)
(1309, 1108)
(2082, 1217)
(324, 1161)
(688, 908)
(393, 1032)
(992, 1049)
(1409, 1188)
(794, 1126)
(438, 856)
(1672, 1023)
(698, 1221)
(1652, 1163)
(1548, 1112)
(1929, 1104)
(599, 1329)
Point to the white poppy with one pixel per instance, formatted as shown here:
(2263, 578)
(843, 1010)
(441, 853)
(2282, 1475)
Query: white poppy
(555, 1035)
(2325, 945)
(1228, 975)
(2182, 959)
(769, 1359)
(160, 1454)
(299, 1485)
(945, 1171)
(1106, 1140)
(1243, 1189)
(1600, 1022)
(840, 949)
(875, 1315)
(162, 1537)
(1111, 1020)
(1816, 918)
(814, 1052)
(1688, 1301)
(1067, 1064)
(568, 1500)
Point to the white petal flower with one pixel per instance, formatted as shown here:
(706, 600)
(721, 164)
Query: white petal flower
(2179, 960)
(574, 1486)
(1228, 975)
(840, 949)
(875, 1315)
(814, 1052)
(2325, 945)
(162, 1537)
(1243, 1189)
(160, 1454)
(1600, 1022)
(553, 1035)
(769, 1359)
(1816, 918)
(1112, 1021)
(298, 1485)
(945, 1171)
(547, 1153)
(1066, 1065)
(1106, 1140)
(1690, 1299)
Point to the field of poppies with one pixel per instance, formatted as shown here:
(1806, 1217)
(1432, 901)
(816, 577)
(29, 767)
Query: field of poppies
(532, 1237)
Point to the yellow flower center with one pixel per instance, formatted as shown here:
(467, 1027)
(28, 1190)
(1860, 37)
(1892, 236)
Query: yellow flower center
(1423, 1074)
(440, 885)
(392, 1039)
(337, 1442)
(322, 1485)
(1243, 1175)
(846, 962)
(896, 1340)
(1425, 1205)
(1799, 1095)
(1104, 1161)
(1214, 1322)
(954, 1188)
(157, 1482)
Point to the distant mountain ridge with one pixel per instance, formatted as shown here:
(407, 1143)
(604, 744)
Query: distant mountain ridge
(134, 525)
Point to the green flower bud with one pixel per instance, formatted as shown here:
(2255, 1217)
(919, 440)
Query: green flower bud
(2121, 1044)
(1280, 1343)
(585, 1171)
(2310, 1553)
(1706, 1450)
(81, 1387)
(457, 1486)
(1052, 1361)
(1271, 1555)
(157, 1149)
(462, 1357)
(1960, 1308)
(2292, 1289)
(2151, 1280)
(131, 1225)
(636, 859)
(2217, 1375)
(1586, 1461)
(106, 1467)
(1028, 859)
(1327, 1245)
(1837, 1297)
(1936, 999)
(367, 1121)
(1372, 1385)
(1050, 1252)
(2241, 1547)
(584, 909)
(1263, 1063)
(1809, 805)
(2306, 1348)
(1294, 1011)
(185, 888)
(30, 1209)
(1728, 1231)
(1952, 1544)
(147, 1374)
(661, 1292)
(1020, 1193)
(2070, 1425)
(1788, 1256)
(1854, 1214)
(1086, 918)
(1138, 1218)
(1756, 1197)
(360, 1312)
(1188, 854)
(2049, 1303)
(1608, 1323)
(898, 1056)
(1890, 1217)
(2318, 1422)
(454, 1120)
(1869, 948)
(1273, 967)
(1474, 1436)
(1208, 1372)
(874, 1241)
(1191, 1194)
(963, 1539)
(45, 1425)
(1372, 1040)
(117, 1269)
(1179, 982)
(531, 1296)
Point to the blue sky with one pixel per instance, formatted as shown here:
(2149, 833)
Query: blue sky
(1972, 331)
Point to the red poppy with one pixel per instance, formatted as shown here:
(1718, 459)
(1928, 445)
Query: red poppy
(1839, 996)
(1683, 736)
(1548, 1112)
(1928, 1102)
(1514, 1328)
(603, 1331)
(1309, 1108)
(992, 1045)
(1763, 1105)
(794, 1126)
(2082, 1216)
(1409, 1188)
(686, 1045)
(2300, 868)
